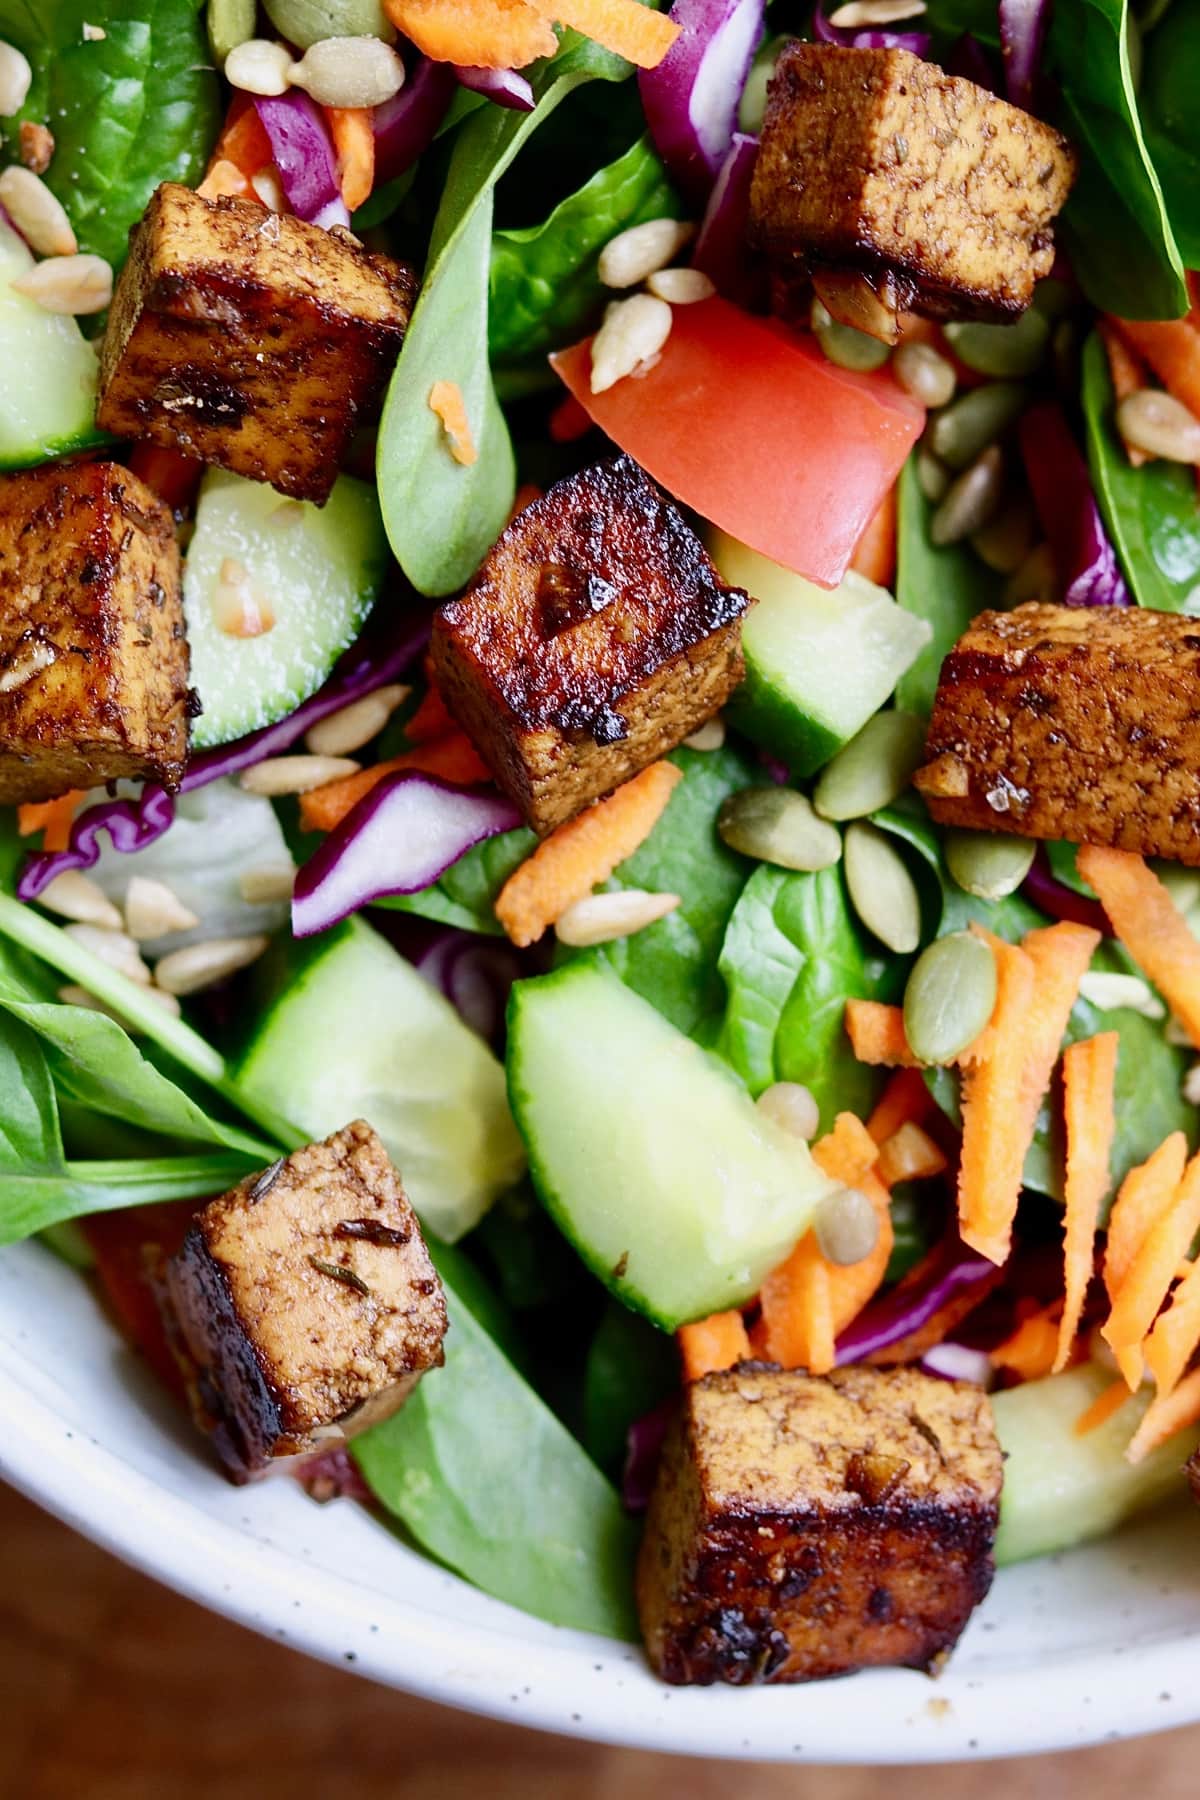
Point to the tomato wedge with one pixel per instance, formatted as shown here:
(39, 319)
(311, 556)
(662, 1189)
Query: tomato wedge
(749, 424)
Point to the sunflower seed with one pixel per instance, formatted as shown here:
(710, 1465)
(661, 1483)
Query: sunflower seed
(116, 948)
(865, 15)
(844, 345)
(950, 997)
(74, 895)
(260, 67)
(295, 774)
(94, 34)
(38, 214)
(633, 332)
(1005, 351)
(642, 250)
(349, 71)
(1109, 991)
(846, 1227)
(152, 909)
(926, 375)
(873, 769)
(777, 825)
(16, 77)
(882, 892)
(268, 885)
(1191, 1085)
(68, 284)
(989, 864)
(200, 966)
(681, 287)
(709, 736)
(600, 918)
(1160, 425)
(269, 189)
(971, 500)
(975, 420)
(791, 1106)
(356, 724)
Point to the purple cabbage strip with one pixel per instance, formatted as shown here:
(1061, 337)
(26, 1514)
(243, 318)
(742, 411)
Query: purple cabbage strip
(406, 124)
(903, 1310)
(720, 250)
(969, 59)
(1022, 35)
(305, 157)
(643, 1449)
(132, 824)
(1044, 890)
(507, 87)
(691, 98)
(958, 1362)
(475, 974)
(915, 41)
(1085, 560)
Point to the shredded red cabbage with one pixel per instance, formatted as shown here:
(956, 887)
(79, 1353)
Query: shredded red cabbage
(958, 1362)
(507, 87)
(475, 974)
(405, 125)
(1044, 890)
(825, 33)
(905, 1309)
(720, 249)
(1022, 34)
(643, 1449)
(691, 98)
(305, 157)
(1088, 572)
(403, 834)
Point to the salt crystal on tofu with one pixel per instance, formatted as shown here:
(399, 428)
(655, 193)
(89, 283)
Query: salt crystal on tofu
(306, 1299)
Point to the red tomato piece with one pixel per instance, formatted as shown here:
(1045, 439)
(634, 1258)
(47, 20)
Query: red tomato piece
(751, 426)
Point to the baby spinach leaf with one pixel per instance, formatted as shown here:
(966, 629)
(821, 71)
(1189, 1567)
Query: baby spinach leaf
(543, 283)
(38, 1200)
(485, 1477)
(29, 1129)
(129, 109)
(946, 586)
(1152, 513)
(1167, 98)
(631, 1367)
(442, 515)
(466, 894)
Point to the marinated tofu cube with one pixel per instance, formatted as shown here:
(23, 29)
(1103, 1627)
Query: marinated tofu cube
(806, 1526)
(1071, 722)
(93, 656)
(307, 1302)
(875, 163)
(249, 339)
(596, 636)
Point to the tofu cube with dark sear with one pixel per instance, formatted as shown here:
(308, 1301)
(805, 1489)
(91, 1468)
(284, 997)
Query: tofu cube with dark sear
(93, 655)
(1071, 722)
(596, 636)
(307, 1302)
(806, 1526)
(249, 339)
(940, 194)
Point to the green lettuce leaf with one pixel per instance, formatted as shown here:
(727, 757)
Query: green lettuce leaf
(946, 586)
(1167, 97)
(40, 1199)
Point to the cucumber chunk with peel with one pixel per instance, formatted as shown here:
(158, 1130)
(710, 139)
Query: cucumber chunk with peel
(653, 1160)
(48, 372)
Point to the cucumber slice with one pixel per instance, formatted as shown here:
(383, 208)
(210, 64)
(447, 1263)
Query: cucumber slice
(1060, 1489)
(352, 1031)
(48, 372)
(819, 664)
(654, 1161)
(315, 570)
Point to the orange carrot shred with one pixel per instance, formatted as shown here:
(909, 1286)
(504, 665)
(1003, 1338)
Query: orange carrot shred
(718, 1342)
(482, 34)
(223, 177)
(451, 758)
(905, 1100)
(1144, 1196)
(446, 400)
(1089, 1071)
(1031, 1350)
(994, 1141)
(1102, 1409)
(432, 718)
(1150, 926)
(877, 1035)
(1128, 375)
(1176, 1334)
(243, 140)
(1165, 1416)
(625, 27)
(581, 854)
(1172, 348)
(910, 1154)
(1145, 1288)
(353, 134)
(875, 552)
(51, 817)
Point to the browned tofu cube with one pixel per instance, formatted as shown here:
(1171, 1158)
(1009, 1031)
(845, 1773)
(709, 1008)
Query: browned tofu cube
(306, 1299)
(93, 656)
(805, 1526)
(249, 339)
(1071, 722)
(874, 162)
(596, 636)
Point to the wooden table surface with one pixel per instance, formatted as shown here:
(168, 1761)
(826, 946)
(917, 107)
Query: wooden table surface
(111, 1688)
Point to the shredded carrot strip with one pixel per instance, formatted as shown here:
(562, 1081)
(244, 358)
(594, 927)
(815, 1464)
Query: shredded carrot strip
(848, 1153)
(1172, 348)
(51, 817)
(432, 718)
(243, 140)
(1089, 1071)
(1128, 375)
(994, 1141)
(910, 1154)
(905, 1100)
(1031, 1350)
(877, 1035)
(223, 177)
(875, 552)
(451, 758)
(1165, 1416)
(1145, 1195)
(480, 34)
(1150, 926)
(626, 28)
(1176, 1334)
(353, 134)
(1102, 1409)
(445, 399)
(1145, 1288)
(718, 1342)
(581, 854)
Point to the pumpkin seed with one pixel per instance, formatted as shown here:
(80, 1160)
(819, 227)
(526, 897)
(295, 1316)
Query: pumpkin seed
(873, 769)
(791, 1106)
(1036, 579)
(306, 22)
(971, 501)
(778, 825)
(1005, 542)
(989, 864)
(882, 892)
(1108, 991)
(843, 345)
(933, 477)
(230, 23)
(846, 1226)
(925, 374)
(950, 997)
(975, 420)
(1007, 351)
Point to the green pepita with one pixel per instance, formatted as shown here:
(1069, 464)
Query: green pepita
(989, 864)
(950, 997)
(933, 477)
(925, 374)
(873, 769)
(882, 892)
(778, 825)
(843, 345)
(846, 1226)
(1005, 541)
(1006, 351)
(230, 23)
(971, 501)
(308, 22)
(975, 420)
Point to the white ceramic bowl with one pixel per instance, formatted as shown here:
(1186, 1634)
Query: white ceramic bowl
(1102, 1643)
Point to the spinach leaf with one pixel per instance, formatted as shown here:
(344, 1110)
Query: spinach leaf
(792, 956)
(38, 1201)
(946, 586)
(1151, 513)
(1115, 225)
(1167, 98)
(673, 963)
(466, 894)
(543, 283)
(442, 516)
(631, 1368)
(137, 106)
(485, 1477)
(30, 1136)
